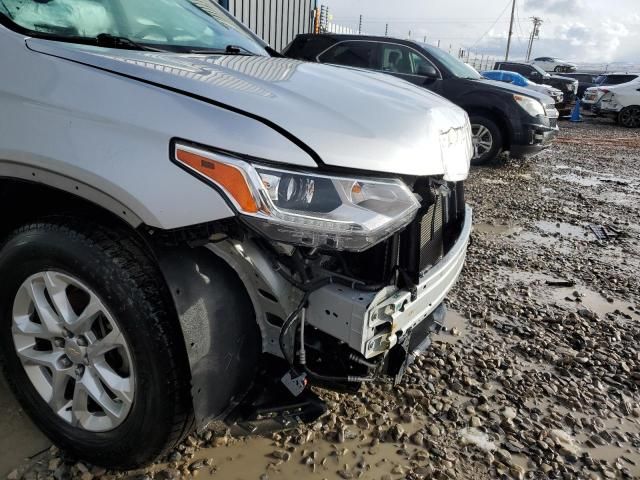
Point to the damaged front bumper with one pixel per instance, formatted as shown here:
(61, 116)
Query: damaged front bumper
(372, 323)
(353, 332)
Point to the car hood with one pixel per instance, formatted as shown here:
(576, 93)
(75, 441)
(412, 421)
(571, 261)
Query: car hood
(543, 88)
(348, 117)
(508, 87)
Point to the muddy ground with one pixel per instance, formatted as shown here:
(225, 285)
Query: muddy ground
(536, 376)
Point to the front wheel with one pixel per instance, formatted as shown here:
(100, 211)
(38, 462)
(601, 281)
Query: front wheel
(630, 117)
(486, 139)
(88, 344)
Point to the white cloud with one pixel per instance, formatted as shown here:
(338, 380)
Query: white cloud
(594, 31)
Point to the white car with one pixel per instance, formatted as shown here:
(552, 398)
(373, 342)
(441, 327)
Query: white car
(552, 64)
(593, 94)
(621, 102)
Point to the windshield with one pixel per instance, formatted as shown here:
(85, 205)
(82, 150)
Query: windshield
(173, 25)
(456, 67)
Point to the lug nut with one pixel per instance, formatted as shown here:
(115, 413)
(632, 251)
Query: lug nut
(79, 370)
(65, 362)
(59, 342)
(82, 341)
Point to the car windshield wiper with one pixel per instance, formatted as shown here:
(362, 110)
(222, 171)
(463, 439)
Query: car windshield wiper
(114, 41)
(228, 50)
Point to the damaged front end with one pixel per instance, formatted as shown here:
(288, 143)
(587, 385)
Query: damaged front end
(336, 319)
(346, 273)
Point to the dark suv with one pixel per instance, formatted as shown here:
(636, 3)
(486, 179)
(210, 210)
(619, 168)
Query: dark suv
(503, 117)
(585, 80)
(569, 86)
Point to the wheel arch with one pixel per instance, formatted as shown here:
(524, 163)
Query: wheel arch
(498, 118)
(33, 199)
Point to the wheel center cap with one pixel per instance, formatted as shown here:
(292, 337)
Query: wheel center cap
(74, 351)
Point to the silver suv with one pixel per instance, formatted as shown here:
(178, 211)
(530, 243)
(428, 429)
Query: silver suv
(196, 229)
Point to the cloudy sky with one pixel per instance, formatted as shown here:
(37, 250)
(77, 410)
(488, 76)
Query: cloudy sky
(601, 31)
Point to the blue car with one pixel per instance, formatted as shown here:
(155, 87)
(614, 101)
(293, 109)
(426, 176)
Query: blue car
(519, 80)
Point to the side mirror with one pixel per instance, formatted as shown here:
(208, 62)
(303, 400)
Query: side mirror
(428, 71)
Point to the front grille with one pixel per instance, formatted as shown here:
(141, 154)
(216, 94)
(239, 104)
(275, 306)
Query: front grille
(430, 236)
(431, 225)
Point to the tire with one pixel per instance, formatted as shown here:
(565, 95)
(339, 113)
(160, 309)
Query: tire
(629, 117)
(69, 267)
(485, 128)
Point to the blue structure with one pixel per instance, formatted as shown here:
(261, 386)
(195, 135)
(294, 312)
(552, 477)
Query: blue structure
(507, 77)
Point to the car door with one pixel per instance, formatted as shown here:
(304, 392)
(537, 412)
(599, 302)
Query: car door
(353, 53)
(406, 63)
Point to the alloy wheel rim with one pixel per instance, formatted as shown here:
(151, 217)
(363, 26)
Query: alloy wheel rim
(630, 117)
(73, 351)
(482, 140)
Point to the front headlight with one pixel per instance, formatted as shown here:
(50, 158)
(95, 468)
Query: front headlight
(531, 106)
(306, 208)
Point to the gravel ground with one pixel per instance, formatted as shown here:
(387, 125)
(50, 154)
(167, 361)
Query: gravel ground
(537, 375)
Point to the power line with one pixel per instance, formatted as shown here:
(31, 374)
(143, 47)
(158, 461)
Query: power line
(494, 24)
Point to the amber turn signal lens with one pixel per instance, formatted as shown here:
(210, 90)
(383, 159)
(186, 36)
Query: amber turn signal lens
(227, 176)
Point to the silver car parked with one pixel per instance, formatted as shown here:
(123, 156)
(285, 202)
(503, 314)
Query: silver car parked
(195, 229)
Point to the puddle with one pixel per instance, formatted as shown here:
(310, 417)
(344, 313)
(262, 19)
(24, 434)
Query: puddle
(562, 229)
(590, 300)
(20, 439)
(250, 458)
(578, 180)
(563, 296)
(498, 230)
(592, 178)
(625, 199)
(456, 326)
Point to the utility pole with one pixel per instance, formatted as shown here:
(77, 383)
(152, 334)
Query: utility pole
(386, 30)
(535, 33)
(513, 13)
(360, 26)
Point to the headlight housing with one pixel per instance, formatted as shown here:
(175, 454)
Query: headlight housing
(531, 106)
(306, 208)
